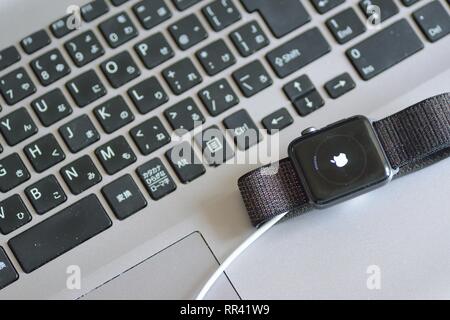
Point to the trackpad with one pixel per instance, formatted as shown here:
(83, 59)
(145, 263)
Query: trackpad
(177, 272)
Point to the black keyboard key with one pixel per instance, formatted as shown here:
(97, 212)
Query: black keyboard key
(282, 17)
(120, 69)
(154, 50)
(184, 116)
(277, 121)
(384, 49)
(94, 10)
(13, 214)
(86, 88)
(298, 52)
(51, 107)
(184, 4)
(44, 153)
(117, 3)
(409, 3)
(156, 179)
(385, 8)
(309, 103)
(79, 133)
(218, 97)
(182, 76)
(221, 14)
(433, 20)
(45, 195)
(345, 26)
(17, 126)
(298, 88)
(115, 155)
(252, 78)
(113, 114)
(16, 86)
(35, 41)
(64, 26)
(8, 57)
(50, 67)
(185, 163)
(323, 6)
(151, 13)
(12, 172)
(215, 148)
(187, 32)
(60, 233)
(243, 130)
(118, 30)
(148, 95)
(84, 48)
(124, 197)
(150, 136)
(80, 175)
(7, 272)
(216, 57)
(340, 85)
(249, 39)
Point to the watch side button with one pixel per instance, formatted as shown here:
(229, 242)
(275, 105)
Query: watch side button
(309, 131)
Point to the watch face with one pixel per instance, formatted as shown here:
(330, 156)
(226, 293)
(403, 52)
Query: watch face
(340, 161)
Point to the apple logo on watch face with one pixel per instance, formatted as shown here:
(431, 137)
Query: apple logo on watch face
(340, 161)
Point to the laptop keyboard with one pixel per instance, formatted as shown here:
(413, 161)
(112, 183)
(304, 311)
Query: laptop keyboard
(71, 226)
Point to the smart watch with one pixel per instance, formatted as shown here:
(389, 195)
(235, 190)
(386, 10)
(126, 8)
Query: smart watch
(348, 158)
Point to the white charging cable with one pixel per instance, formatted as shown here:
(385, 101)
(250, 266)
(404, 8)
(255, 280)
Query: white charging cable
(236, 253)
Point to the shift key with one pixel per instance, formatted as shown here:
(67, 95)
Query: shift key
(384, 49)
(59, 233)
(298, 52)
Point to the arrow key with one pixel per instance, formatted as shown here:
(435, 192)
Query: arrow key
(298, 88)
(309, 103)
(277, 121)
(340, 85)
(44, 153)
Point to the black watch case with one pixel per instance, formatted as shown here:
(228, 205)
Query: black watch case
(340, 162)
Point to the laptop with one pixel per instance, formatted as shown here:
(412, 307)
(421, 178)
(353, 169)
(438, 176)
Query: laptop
(97, 95)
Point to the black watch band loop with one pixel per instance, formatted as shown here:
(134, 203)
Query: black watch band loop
(412, 139)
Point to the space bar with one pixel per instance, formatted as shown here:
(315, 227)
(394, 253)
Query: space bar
(59, 233)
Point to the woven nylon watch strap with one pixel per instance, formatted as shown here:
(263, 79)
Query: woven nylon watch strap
(412, 139)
